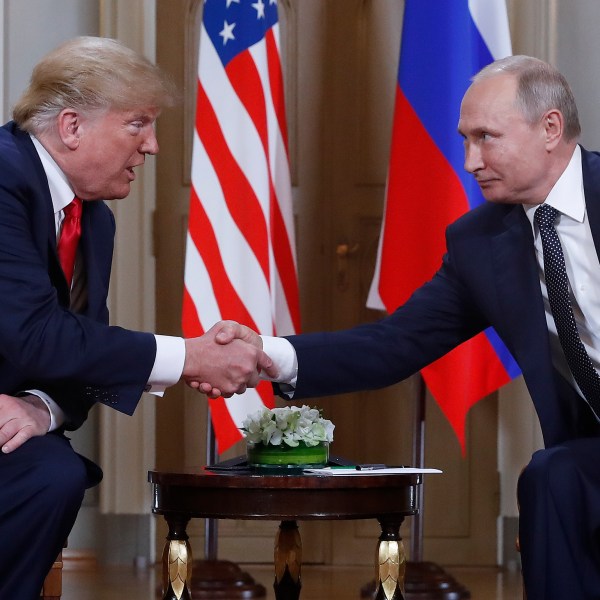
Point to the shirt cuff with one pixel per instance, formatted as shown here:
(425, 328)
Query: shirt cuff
(168, 364)
(283, 355)
(57, 416)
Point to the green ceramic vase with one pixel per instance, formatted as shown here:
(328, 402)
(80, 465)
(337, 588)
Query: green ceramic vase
(301, 456)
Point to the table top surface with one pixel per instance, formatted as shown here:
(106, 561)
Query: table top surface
(232, 495)
(284, 478)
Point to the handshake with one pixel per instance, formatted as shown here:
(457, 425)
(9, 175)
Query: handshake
(226, 360)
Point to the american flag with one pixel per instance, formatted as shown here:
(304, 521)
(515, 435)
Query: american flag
(240, 255)
(443, 45)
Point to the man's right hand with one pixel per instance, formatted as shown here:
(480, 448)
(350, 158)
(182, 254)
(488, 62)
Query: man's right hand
(20, 419)
(230, 367)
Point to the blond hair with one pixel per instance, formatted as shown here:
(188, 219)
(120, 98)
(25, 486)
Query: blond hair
(89, 74)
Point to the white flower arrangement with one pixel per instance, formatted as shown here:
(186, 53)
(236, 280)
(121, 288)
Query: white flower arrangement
(289, 425)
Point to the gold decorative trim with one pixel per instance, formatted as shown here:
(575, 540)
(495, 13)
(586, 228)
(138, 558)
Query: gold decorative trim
(391, 561)
(177, 570)
(288, 552)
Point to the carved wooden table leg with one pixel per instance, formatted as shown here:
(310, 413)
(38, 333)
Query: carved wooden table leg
(288, 561)
(390, 562)
(177, 560)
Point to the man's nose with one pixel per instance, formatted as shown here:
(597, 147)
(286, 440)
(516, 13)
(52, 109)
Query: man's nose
(473, 160)
(150, 143)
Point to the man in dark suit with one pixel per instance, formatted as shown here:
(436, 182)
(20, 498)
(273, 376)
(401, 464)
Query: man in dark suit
(82, 127)
(520, 127)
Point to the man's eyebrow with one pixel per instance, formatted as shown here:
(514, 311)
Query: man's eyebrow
(141, 113)
(477, 131)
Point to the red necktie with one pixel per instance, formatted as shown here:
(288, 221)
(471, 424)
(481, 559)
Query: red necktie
(69, 238)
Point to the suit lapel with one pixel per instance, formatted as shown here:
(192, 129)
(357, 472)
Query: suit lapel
(522, 319)
(28, 148)
(45, 209)
(93, 237)
(590, 163)
(516, 274)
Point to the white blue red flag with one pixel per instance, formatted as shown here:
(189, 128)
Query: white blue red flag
(443, 45)
(240, 253)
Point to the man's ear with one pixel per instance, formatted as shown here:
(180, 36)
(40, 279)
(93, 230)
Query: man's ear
(69, 127)
(553, 122)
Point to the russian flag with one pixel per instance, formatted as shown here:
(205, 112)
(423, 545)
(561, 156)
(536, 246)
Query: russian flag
(443, 45)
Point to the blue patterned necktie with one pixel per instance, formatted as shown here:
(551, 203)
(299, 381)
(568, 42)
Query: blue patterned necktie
(557, 283)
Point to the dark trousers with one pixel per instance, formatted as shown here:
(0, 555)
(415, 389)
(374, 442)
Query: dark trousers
(559, 524)
(42, 484)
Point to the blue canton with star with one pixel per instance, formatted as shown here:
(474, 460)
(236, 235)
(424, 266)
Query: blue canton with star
(235, 25)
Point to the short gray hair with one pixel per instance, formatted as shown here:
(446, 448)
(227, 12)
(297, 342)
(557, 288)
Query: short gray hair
(540, 87)
(88, 74)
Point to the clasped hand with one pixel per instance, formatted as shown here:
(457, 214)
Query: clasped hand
(226, 360)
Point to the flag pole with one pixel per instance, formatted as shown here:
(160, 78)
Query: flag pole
(418, 459)
(211, 526)
(425, 580)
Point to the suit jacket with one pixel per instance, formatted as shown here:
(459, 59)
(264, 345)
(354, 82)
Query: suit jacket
(489, 276)
(77, 358)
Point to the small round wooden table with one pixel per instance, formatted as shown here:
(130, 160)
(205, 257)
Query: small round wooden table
(286, 498)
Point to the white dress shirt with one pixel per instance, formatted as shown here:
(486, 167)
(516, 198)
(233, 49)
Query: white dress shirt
(170, 351)
(283, 355)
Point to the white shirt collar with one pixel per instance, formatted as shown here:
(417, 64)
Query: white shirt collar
(567, 194)
(60, 190)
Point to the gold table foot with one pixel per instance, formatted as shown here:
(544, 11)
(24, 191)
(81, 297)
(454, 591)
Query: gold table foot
(288, 562)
